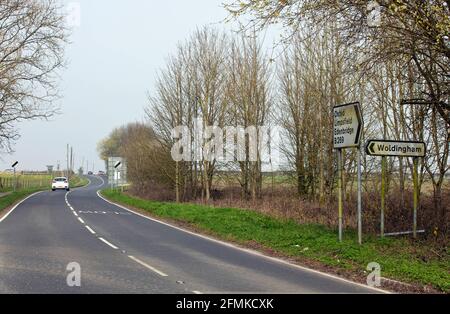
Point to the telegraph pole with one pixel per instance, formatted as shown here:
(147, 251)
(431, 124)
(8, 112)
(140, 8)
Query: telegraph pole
(67, 160)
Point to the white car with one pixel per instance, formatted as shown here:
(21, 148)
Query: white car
(60, 183)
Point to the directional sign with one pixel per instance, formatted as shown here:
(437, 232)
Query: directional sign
(395, 148)
(347, 125)
(14, 164)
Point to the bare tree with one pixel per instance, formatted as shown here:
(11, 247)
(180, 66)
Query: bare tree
(191, 88)
(32, 37)
(249, 94)
(412, 31)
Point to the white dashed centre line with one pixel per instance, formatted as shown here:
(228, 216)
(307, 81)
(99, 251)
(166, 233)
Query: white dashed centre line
(147, 266)
(90, 230)
(110, 244)
(115, 247)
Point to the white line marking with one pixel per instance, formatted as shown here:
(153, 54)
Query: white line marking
(148, 266)
(111, 245)
(103, 181)
(249, 251)
(17, 205)
(197, 292)
(90, 230)
(75, 213)
(81, 220)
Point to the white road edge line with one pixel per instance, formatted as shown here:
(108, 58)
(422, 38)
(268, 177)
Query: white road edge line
(249, 251)
(81, 220)
(108, 243)
(148, 266)
(75, 213)
(90, 229)
(197, 292)
(17, 205)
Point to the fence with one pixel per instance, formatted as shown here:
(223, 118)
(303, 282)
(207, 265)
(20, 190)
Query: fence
(24, 181)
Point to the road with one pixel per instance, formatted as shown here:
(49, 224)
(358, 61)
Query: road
(121, 252)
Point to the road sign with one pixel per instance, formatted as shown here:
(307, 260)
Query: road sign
(347, 125)
(14, 164)
(117, 171)
(395, 148)
(347, 129)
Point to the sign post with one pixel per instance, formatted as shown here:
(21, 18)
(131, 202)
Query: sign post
(15, 178)
(385, 148)
(359, 199)
(416, 194)
(347, 129)
(383, 193)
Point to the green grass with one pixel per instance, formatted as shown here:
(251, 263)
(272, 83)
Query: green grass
(76, 181)
(14, 197)
(400, 258)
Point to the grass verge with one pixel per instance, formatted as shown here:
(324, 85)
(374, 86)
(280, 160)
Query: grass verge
(77, 181)
(399, 258)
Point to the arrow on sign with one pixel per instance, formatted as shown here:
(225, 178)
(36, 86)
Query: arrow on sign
(358, 116)
(371, 148)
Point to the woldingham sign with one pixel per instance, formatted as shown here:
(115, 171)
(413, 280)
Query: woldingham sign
(395, 148)
(347, 125)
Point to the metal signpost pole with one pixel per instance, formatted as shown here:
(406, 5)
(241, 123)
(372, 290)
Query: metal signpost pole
(340, 203)
(416, 194)
(383, 193)
(359, 198)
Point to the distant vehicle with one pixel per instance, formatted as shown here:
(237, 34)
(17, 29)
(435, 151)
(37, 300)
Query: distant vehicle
(90, 173)
(101, 173)
(60, 183)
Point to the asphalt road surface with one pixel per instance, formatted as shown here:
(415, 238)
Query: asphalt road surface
(122, 252)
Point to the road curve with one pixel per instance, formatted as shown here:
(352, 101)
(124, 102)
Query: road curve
(121, 252)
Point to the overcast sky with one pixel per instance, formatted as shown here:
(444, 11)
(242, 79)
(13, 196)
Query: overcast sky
(113, 57)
